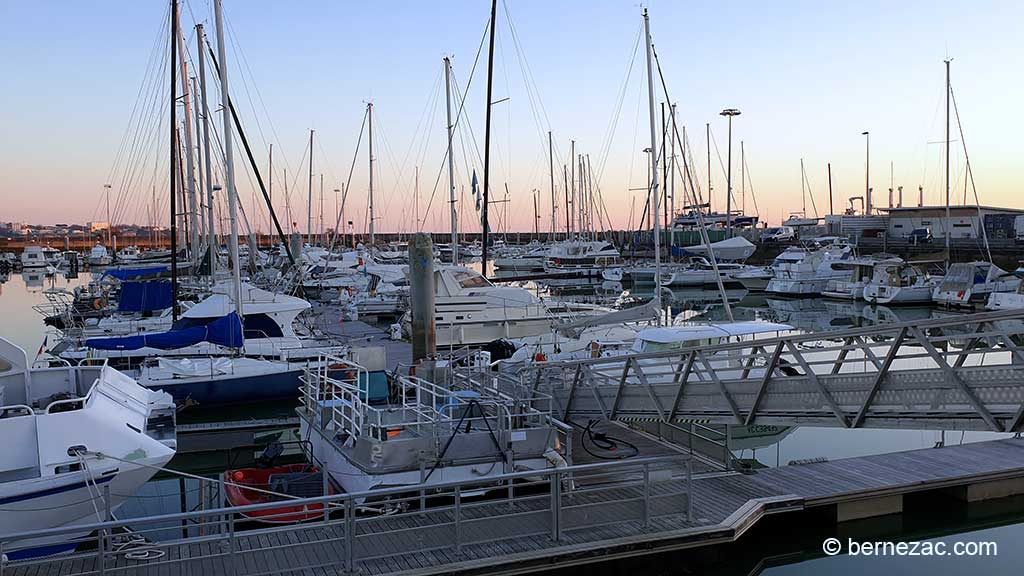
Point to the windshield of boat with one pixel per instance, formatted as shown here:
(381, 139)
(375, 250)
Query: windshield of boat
(471, 280)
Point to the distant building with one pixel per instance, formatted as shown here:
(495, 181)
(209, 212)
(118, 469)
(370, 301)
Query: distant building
(98, 226)
(963, 221)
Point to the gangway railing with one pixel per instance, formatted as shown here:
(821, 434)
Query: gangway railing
(351, 530)
(964, 371)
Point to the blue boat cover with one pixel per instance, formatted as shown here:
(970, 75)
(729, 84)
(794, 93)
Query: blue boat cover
(144, 296)
(225, 331)
(128, 273)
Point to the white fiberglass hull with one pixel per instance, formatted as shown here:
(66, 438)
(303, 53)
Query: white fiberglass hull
(877, 294)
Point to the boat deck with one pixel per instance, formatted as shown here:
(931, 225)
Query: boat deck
(724, 505)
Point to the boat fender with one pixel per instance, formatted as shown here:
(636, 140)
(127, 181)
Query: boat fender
(99, 304)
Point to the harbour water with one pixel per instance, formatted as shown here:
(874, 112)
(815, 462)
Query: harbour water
(762, 445)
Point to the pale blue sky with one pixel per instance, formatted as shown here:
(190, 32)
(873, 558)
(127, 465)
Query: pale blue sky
(809, 77)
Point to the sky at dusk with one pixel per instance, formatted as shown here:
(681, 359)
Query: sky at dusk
(809, 78)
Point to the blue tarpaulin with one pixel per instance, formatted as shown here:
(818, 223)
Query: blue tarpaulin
(129, 273)
(225, 331)
(144, 296)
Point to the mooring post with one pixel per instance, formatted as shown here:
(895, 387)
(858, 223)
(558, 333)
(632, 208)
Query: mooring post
(421, 301)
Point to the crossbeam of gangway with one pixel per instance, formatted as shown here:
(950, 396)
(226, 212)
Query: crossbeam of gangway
(962, 372)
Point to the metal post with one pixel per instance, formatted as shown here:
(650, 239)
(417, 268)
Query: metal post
(101, 551)
(421, 279)
(231, 541)
(107, 517)
(458, 521)
(689, 489)
(556, 506)
(326, 490)
(647, 495)
(350, 537)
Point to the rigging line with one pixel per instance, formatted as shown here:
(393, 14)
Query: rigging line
(613, 124)
(158, 48)
(348, 181)
(970, 173)
(458, 115)
(810, 194)
(139, 153)
(142, 123)
(750, 185)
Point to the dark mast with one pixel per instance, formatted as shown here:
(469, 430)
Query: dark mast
(173, 149)
(487, 136)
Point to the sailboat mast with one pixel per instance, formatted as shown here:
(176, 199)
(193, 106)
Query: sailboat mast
(947, 224)
(211, 237)
(190, 179)
(487, 136)
(173, 176)
(711, 205)
(551, 173)
(672, 179)
(309, 197)
(572, 179)
(803, 191)
(229, 166)
(654, 168)
(369, 113)
(451, 161)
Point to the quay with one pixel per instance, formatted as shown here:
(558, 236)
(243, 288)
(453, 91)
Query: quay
(648, 508)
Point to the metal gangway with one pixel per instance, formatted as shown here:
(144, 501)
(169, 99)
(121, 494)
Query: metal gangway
(961, 371)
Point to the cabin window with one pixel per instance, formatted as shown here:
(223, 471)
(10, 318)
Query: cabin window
(261, 326)
(470, 280)
(926, 222)
(897, 225)
(5, 366)
(962, 226)
(65, 468)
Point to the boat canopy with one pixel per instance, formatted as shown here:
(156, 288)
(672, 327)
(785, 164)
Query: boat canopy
(144, 296)
(225, 331)
(129, 273)
(673, 334)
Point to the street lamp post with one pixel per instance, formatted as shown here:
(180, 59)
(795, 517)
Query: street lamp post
(729, 112)
(867, 173)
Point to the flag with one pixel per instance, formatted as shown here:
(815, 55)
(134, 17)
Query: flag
(476, 192)
(42, 347)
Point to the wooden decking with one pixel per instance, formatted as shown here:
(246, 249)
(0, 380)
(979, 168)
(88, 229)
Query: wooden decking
(503, 536)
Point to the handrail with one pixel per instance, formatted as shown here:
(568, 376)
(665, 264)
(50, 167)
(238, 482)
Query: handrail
(895, 327)
(354, 497)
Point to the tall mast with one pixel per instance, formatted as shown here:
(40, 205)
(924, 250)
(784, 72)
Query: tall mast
(672, 177)
(743, 181)
(536, 216)
(707, 128)
(369, 113)
(229, 166)
(309, 198)
(451, 161)
(565, 186)
(830, 209)
(551, 173)
(270, 175)
(487, 135)
(190, 179)
(664, 161)
(173, 175)
(322, 209)
(947, 225)
(803, 191)
(211, 237)
(654, 168)
(200, 183)
(572, 193)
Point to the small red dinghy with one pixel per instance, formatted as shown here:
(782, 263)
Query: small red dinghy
(298, 480)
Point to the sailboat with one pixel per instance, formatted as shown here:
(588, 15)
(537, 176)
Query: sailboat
(800, 218)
